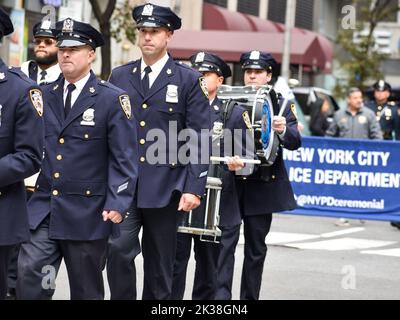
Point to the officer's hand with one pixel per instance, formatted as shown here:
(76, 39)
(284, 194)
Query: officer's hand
(234, 163)
(114, 216)
(279, 124)
(188, 202)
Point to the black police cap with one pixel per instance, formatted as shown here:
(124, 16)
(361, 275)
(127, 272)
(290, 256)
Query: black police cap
(258, 60)
(153, 16)
(71, 33)
(44, 29)
(207, 62)
(382, 85)
(6, 26)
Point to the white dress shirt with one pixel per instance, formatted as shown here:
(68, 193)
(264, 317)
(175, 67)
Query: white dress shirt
(52, 74)
(155, 69)
(79, 87)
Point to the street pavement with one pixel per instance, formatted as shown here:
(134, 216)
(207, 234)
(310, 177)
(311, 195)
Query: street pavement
(312, 258)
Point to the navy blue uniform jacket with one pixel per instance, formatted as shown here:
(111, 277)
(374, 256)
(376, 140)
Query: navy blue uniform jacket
(175, 99)
(87, 168)
(21, 149)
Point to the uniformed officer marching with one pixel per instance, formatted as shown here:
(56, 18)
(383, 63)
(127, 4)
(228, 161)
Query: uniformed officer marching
(266, 191)
(386, 111)
(44, 68)
(214, 70)
(21, 144)
(164, 94)
(88, 174)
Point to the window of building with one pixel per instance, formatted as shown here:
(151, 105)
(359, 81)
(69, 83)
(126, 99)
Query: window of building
(277, 10)
(304, 14)
(249, 6)
(221, 3)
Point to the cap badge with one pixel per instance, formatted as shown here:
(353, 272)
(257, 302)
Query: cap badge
(68, 25)
(46, 24)
(148, 10)
(2, 76)
(255, 55)
(200, 57)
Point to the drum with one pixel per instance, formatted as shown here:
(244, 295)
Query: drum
(259, 105)
(204, 220)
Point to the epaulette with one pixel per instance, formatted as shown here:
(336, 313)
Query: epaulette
(391, 103)
(20, 74)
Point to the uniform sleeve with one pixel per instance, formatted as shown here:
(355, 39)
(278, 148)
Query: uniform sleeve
(197, 118)
(292, 138)
(375, 131)
(28, 142)
(123, 156)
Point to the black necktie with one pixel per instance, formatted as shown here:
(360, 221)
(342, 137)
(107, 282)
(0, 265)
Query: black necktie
(43, 75)
(145, 80)
(71, 87)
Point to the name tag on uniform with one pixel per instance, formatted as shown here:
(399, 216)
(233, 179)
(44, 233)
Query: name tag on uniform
(88, 117)
(172, 94)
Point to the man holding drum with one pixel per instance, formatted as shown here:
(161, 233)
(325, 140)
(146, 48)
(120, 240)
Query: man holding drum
(214, 70)
(266, 191)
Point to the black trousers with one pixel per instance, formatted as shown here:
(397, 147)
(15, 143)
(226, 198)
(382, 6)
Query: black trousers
(40, 259)
(205, 278)
(256, 229)
(5, 252)
(121, 254)
(13, 263)
(226, 262)
(159, 249)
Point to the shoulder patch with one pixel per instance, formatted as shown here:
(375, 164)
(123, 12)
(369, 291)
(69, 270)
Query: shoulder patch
(126, 105)
(294, 111)
(37, 101)
(246, 119)
(203, 86)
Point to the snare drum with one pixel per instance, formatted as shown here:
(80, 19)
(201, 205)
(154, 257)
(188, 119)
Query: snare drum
(259, 105)
(204, 220)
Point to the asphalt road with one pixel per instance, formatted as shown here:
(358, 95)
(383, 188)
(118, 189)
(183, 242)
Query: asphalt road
(312, 258)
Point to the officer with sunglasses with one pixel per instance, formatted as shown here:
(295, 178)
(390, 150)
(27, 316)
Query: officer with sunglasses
(44, 68)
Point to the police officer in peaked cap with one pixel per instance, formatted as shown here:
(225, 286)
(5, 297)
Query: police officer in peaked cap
(163, 93)
(215, 71)
(88, 176)
(267, 190)
(21, 148)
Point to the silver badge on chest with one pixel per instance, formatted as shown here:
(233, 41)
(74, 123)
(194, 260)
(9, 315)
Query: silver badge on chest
(172, 94)
(218, 128)
(87, 118)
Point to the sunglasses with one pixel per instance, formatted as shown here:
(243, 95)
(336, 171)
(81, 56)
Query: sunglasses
(47, 41)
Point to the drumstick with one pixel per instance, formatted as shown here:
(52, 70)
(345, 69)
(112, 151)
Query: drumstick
(283, 106)
(225, 159)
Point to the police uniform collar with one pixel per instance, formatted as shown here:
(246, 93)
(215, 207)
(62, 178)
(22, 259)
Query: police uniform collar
(80, 84)
(157, 67)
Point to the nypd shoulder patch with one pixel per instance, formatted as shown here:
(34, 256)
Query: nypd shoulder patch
(246, 120)
(203, 86)
(126, 105)
(293, 108)
(37, 101)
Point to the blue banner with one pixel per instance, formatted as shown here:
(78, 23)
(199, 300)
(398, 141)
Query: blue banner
(346, 178)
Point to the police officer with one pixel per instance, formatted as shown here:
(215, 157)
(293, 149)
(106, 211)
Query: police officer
(165, 95)
(88, 174)
(385, 110)
(214, 70)
(266, 191)
(21, 143)
(44, 68)
(388, 115)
